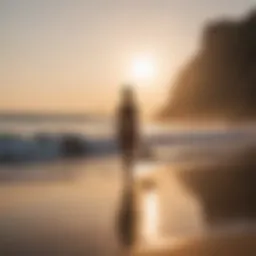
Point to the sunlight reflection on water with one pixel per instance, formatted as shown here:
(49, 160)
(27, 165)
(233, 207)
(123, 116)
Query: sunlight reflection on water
(144, 169)
(150, 219)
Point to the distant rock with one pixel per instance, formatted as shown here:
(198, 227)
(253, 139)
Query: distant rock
(219, 82)
(72, 146)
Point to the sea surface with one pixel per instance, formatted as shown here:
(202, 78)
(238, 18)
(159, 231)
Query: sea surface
(38, 137)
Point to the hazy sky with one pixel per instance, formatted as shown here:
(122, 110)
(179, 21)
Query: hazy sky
(72, 55)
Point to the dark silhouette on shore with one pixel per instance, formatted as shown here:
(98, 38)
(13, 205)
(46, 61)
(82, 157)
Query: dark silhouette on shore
(219, 82)
(127, 133)
(127, 129)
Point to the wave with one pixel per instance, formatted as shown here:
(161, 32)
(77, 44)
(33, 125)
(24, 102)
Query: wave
(47, 147)
(165, 145)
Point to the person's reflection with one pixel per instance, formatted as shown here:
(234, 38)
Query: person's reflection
(127, 130)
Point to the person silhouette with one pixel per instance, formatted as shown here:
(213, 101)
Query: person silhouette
(127, 130)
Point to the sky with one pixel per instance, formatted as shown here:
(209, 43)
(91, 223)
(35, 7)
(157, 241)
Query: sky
(75, 55)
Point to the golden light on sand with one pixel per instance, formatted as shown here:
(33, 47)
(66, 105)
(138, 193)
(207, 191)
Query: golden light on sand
(150, 216)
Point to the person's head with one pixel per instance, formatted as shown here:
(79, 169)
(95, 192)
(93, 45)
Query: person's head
(127, 95)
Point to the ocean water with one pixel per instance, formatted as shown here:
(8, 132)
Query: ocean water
(38, 138)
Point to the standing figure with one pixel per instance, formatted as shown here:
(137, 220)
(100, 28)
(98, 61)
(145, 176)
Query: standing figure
(127, 130)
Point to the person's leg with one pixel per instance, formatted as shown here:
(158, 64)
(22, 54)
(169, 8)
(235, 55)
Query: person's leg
(128, 162)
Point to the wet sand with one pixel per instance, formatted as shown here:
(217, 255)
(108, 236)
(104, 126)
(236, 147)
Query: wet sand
(62, 213)
(239, 245)
(72, 208)
(197, 209)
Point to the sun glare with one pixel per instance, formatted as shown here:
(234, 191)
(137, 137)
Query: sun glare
(151, 215)
(143, 69)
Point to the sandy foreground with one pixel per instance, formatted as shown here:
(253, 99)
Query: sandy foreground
(67, 210)
(173, 221)
(73, 208)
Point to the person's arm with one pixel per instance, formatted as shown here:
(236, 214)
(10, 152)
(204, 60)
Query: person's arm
(118, 124)
(136, 127)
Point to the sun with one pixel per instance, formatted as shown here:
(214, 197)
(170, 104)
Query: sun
(143, 69)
